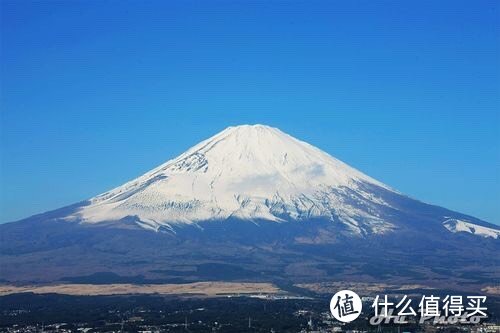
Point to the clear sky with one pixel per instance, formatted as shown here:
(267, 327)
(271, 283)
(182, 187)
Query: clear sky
(94, 93)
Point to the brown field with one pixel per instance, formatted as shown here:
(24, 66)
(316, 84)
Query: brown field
(198, 288)
(366, 289)
(492, 290)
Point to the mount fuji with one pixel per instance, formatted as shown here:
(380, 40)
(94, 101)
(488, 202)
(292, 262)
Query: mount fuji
(252, 203)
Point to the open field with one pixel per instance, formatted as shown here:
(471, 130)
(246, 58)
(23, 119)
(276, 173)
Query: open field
(366, 289)
(372, 289)
(198, 288)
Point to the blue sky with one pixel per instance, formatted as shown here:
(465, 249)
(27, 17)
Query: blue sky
(95, 93)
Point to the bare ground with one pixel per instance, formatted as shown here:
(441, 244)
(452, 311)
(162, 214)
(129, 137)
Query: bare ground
(198, 288)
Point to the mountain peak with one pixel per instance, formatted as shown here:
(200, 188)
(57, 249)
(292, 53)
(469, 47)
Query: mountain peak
(247, 128)
(250, 127)
(250, 131)
(244, 172)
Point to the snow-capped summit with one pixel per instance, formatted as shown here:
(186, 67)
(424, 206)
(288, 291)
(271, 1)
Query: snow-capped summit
(246, 172)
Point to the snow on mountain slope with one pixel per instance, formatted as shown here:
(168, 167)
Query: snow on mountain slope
(247, 172)
(455, 225)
